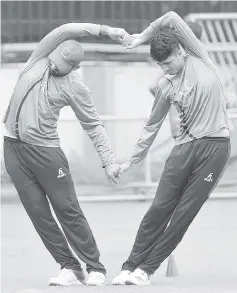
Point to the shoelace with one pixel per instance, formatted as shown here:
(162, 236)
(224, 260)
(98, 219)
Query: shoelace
(139, 278)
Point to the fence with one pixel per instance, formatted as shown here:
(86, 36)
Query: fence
(220, 39)
(29, 21)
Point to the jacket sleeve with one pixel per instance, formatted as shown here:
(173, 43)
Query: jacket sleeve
(61, 34)
(83, 107)
(159, 111)
(154, 85)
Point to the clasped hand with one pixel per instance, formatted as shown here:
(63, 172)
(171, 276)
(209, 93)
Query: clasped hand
(124, 38)
(114, 171)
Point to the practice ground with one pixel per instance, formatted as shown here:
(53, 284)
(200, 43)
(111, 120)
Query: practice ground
(206, 258)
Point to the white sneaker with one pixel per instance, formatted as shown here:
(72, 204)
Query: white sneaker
(96, 279)
(138, 277)
(121, 278)
(67, 277)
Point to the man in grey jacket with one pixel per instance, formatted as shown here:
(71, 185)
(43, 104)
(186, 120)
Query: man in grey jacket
(202, 149)
(33, 157)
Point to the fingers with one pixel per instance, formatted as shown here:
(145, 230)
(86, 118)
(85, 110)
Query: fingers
(132, 45)
(117, 172)
(122, 37)
(113, 174)
(122, 170)
(110, 178)
(120, 173)
(113, 179)
(123, 41)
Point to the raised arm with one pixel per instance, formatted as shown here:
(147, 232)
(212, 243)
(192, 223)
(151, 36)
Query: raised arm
(72, 31)
(159, 111)
(181, 29)
(183, 33)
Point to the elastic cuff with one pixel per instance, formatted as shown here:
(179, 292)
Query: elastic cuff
(103, 271)
(93, 29)
(126, 267)
(113, 162)
(104, 30)
(73, 267)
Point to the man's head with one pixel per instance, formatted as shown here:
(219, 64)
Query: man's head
(166, 50)
(66, 57)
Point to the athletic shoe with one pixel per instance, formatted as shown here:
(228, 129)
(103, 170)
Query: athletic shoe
(138, 277)
(67, 277)
(121, 278)
(96, 279)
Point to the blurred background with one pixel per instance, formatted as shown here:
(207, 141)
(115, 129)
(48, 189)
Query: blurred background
(118, 79)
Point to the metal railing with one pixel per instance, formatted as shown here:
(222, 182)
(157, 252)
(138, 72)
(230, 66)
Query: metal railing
(220, 39)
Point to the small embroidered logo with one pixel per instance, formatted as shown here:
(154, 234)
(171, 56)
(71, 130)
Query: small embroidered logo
(209, 178)
(61, 173)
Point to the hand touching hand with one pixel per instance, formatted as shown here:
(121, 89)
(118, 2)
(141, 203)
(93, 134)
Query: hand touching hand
(112, 172)
(134, 41)
(119, 35)
(125, 167)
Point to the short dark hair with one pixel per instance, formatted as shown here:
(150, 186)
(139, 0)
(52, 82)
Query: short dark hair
(163, 44)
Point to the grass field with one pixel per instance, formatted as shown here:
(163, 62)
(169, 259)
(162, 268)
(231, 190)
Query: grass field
(206, 258)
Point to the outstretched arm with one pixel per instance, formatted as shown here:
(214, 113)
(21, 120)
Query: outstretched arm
(154, 85)
(152, 88)
(83, 107)
(73, 31)
(82, 104)
(159, 111)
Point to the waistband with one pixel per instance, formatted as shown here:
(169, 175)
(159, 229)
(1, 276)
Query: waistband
(212, 139)
(12, 139)
(17, 140)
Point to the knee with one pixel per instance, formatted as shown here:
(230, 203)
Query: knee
(35, 210)
(71, 210)
(159, 208)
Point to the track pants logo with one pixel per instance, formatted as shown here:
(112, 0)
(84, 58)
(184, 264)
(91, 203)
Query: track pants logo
(61, 173)
(209, 178)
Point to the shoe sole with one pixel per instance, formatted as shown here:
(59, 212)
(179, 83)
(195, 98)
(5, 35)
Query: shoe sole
(63, 285)
(96, 285)
(131, 283)
(55, 285)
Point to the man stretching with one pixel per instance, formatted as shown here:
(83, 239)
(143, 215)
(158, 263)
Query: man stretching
(202, 148)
